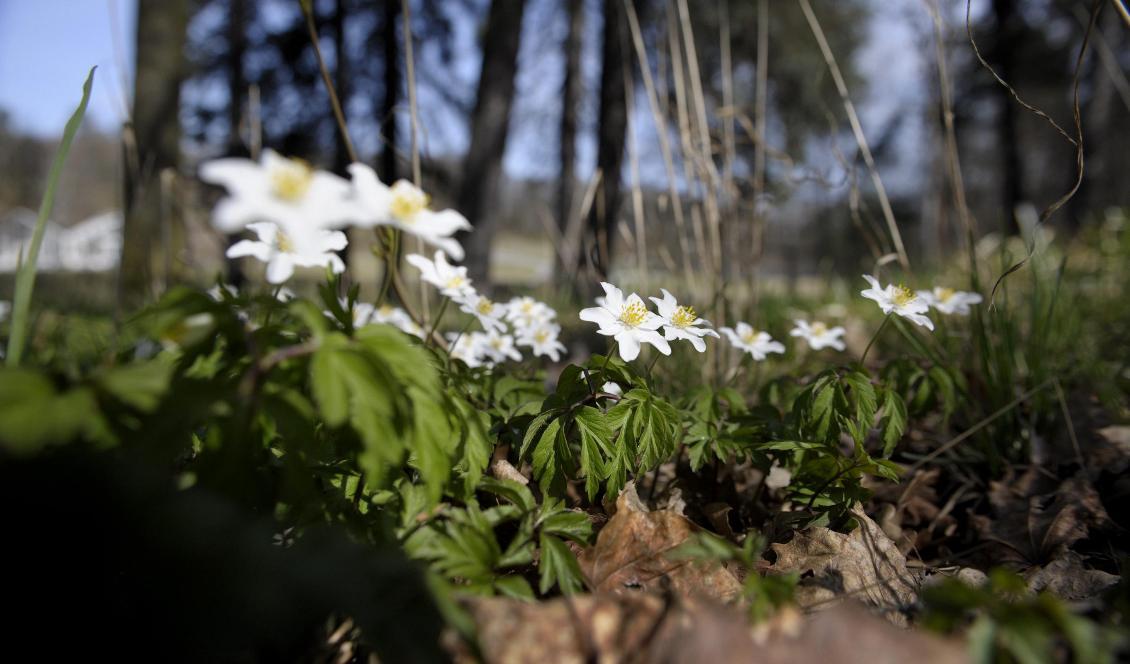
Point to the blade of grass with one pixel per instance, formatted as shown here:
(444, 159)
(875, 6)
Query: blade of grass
(25, 278)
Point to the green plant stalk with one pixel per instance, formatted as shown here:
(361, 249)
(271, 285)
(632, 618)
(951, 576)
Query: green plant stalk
(863, 358)
(435, 322)
(25, 279)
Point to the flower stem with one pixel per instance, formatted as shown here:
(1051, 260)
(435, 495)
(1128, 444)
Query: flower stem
(435, 323)
(871, 343)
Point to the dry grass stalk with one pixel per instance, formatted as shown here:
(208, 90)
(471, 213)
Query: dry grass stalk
(857, 130)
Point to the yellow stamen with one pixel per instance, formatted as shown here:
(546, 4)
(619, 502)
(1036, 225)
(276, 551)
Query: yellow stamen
(496, 343)
(944, 294)
(484, 306)
(291, 180)
(456, 281)
(819, 328)
(385, 310)
(750, 337)
(527, 307)
(541, 336)
(684, 317)
(283, 242)
(903, 295)
(633, 314)
(407, 201)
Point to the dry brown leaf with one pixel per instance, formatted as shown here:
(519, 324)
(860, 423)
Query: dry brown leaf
(641, 627)
(1033, 523)
(865, 565)
(1068, 578)
(631, 553)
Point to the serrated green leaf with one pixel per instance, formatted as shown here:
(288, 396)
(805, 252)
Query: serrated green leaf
(894, 421)
(558, 566)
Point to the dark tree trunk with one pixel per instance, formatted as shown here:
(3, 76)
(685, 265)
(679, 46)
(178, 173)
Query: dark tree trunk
(570, 100)
(489, 126)
(237, 90)
(611, 135)
(159, 71)
(237, 76)
(1004, 61)
(391, 90)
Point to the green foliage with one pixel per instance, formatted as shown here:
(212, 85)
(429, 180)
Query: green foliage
(492, 549)
(570, 437)
(1005, 622)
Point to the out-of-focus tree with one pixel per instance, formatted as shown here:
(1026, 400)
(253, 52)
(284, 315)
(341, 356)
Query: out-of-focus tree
(155, 131)
(570, 106)
(490, 122)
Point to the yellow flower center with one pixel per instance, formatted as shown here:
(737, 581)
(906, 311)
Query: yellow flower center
(407, 201)
(283, 242)
(903, 295)
(527, 307)
(541, 336)
(496, 343)
(291, 180)
(749, 337)
(385, 310)
(484, 306)
(633, 314)
(944, 294)
(456, 281)
(819, 329)
(684, 317)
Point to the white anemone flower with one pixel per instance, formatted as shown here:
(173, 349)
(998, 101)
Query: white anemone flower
(612, 388)
(398, 318)
(526, 312)
(748, 340)
(405, 206)
(818, 335)
(542, 340)
(451, 280)
(362, 312)
(499, 347)
(898, 300)
(285, 248)
(487, 312)
(681, 322)
(468, 348)
(950, 301)
(628, 321)
(277, 189)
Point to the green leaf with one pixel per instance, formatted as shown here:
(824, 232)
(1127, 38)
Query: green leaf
(596, 446)
(548, 455)
(141, 385)
(331, 391)
(514, 586)
(25, 277)
(894, 421)
(558, 566)
(34, 414)
(568, 524)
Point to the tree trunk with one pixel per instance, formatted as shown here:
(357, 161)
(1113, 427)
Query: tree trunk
(237, 89)
(570, 100)
(1004, 61)
(391, 90)
(489, 126)
(159, 71)
(611, 135)
(237, 76)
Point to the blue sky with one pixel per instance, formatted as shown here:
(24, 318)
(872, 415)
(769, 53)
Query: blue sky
(46, 46)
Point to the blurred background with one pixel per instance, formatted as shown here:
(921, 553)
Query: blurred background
(733, 145)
